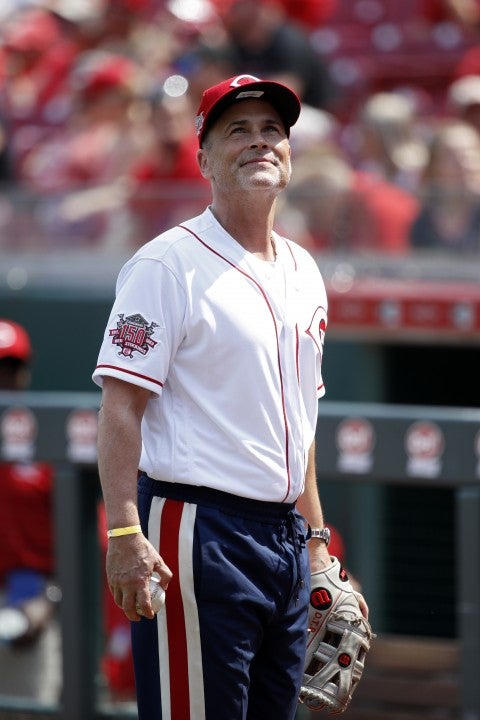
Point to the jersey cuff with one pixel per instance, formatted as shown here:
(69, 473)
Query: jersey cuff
(130, 376)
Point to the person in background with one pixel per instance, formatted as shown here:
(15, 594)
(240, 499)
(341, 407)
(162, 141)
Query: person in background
(99, 141)
(463, 100)
(330, 206)
(29, 634)
(387, 141)
(310, 14)
(6, 169)
(78, 172)
(449, 217)
(165, 181)
(263, 41)
(35, 63)
(318, 207)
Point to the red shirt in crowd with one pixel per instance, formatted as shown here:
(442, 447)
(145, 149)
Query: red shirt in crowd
(26, 527)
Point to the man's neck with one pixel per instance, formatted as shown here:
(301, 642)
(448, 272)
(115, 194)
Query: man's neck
(251, 226)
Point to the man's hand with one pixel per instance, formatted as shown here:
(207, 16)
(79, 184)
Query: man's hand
(131, 560)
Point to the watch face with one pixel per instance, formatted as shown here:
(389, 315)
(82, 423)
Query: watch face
(321, 534)
(326, 535)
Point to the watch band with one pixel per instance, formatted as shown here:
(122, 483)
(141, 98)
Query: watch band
(320, 534)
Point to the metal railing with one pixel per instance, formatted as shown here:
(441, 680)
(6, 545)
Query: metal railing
(358, 443)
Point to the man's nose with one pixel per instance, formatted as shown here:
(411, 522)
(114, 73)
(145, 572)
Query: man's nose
(258, 139)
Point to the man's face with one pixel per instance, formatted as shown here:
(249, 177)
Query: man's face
(247, 149)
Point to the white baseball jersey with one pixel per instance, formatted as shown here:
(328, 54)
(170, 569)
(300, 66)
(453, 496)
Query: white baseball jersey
(231, 348)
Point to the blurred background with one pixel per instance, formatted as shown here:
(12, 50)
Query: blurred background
(97, 156)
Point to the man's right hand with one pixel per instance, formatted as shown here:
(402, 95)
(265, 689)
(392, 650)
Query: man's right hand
(131, 560)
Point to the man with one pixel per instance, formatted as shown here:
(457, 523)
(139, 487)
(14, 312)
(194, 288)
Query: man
(211, 371)
(30, 654)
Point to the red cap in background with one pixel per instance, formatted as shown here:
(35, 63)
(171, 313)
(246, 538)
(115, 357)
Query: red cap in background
(100, 71)
(31, 30)
(14, 341)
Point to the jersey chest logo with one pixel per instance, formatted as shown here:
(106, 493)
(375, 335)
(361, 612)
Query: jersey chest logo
(317, 328)
(133, 334)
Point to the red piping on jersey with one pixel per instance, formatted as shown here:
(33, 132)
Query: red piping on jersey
(297, 343)
(259, 287)
(297, 353)
(130, 372)
(294, 260)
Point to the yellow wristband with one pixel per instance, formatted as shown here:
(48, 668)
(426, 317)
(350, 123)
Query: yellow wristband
(130, 530)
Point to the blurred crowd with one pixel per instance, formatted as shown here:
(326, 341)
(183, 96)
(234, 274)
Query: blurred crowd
(97, 98)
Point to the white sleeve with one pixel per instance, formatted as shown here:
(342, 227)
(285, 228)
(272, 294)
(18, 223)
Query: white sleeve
(145, 326)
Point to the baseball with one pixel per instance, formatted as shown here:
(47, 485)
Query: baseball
(157, 594)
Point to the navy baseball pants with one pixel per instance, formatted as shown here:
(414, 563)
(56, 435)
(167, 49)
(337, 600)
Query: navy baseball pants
(229, 643)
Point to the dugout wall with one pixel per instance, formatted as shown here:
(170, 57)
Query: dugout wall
(363, 450)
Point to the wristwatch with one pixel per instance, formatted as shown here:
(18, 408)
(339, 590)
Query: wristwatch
(320, 533)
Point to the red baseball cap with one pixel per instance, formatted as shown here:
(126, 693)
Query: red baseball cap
(216, 99)
(99, 72)
(14, 341)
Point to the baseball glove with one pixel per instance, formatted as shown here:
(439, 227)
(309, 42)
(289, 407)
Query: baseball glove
(338, 641)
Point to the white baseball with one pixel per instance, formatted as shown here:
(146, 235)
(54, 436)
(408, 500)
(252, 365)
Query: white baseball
(157, 594)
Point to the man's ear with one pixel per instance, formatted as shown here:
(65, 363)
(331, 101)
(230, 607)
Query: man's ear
(202, 159)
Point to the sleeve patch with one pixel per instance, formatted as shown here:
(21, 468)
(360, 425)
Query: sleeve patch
(133, 334)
